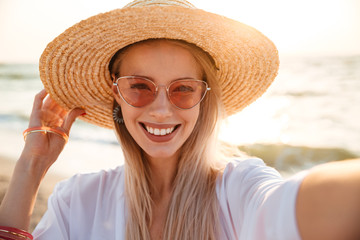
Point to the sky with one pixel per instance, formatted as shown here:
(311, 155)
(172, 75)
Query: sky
(297, 27)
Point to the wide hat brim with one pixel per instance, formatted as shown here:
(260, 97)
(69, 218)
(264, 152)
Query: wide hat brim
(74, 66)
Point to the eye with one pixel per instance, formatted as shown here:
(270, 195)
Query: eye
(183, 88)
(140, 86)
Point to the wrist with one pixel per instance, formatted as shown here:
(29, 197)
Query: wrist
(14, 233)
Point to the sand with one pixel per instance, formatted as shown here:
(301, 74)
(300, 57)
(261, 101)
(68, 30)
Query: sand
(46, 187)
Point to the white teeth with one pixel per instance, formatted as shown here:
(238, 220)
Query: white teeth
(157, 131)
(150, 129)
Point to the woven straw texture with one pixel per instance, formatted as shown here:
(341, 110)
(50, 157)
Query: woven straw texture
(74, 66)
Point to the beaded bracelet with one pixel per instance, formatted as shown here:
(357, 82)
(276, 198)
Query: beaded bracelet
(14, 234)
(46, 130)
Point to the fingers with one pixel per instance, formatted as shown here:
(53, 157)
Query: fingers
(39, 98)
(47, 112)
(51, 106)
(37, 106)
(71, 117)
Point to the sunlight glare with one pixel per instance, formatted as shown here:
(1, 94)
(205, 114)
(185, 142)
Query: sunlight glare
(262, 121)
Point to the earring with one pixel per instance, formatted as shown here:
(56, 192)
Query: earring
(116, 115)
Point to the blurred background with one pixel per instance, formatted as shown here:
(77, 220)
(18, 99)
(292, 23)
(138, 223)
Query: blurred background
(310, 115)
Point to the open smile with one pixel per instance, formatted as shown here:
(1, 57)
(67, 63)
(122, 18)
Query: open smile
(163, 132)
(159, 131)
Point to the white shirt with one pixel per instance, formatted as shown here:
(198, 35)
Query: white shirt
(256, 203)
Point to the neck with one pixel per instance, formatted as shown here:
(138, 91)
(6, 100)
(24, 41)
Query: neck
(163, 171)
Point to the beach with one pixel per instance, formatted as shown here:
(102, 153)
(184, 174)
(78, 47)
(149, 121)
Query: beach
(309, 116)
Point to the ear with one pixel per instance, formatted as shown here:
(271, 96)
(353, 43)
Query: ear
(116, 94)
(113, 87)
(113, 77)
(118, 99)
(114, 90)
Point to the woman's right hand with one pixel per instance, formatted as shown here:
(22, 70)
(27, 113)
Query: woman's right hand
(42, 149)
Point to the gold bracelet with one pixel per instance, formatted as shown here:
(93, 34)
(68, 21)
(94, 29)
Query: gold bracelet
(46, 130)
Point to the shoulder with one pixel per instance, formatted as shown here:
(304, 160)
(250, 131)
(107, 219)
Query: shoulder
(252, 178)
(256, 202)
(240, 170)
(244, 182)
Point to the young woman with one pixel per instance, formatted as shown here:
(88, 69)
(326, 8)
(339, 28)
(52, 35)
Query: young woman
(163, 74)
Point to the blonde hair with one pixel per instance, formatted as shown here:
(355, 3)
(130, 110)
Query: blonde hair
(193, 208)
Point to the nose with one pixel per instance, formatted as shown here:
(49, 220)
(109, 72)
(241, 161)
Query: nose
(161, 107)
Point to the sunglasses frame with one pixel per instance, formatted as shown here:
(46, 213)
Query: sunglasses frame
(115, 83)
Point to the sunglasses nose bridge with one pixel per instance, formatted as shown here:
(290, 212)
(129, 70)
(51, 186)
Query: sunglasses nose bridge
(160, 107)
(166, 88)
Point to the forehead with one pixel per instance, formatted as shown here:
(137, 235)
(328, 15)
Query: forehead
(160, 59)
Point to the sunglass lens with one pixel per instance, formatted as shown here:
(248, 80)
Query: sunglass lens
(186, 94)
(137, 92)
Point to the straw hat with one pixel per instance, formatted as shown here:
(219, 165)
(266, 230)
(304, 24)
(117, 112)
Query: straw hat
(74, 66)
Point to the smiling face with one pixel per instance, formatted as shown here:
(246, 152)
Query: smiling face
(159, 128)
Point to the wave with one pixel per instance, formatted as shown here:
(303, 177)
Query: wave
(299, 94)
(14, 117)
(18, 76)
(291, 159)
(19, 71)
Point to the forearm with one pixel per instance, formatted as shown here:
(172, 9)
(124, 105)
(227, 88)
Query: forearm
(41, 150)
(18, 203)
(328, 205)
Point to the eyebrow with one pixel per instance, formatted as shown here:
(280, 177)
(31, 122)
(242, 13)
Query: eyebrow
(151, 79)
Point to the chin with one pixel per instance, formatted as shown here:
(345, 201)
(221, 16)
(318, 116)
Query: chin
(161, 154)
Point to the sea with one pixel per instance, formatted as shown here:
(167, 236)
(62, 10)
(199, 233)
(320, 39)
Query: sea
(310, 115)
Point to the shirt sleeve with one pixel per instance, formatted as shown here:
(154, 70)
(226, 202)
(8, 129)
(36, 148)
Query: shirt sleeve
(257, 203)
(87, 206)
(55, 223)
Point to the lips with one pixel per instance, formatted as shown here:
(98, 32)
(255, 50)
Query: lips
(160, 133)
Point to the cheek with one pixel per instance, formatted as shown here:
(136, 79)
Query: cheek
(127, 112)
(191, 116)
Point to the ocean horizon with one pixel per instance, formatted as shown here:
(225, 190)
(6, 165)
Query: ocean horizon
(310, 115)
